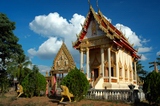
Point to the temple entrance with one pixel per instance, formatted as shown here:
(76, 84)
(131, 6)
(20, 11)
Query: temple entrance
(96, 73)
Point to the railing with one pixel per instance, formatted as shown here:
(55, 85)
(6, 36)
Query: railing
(114, 95)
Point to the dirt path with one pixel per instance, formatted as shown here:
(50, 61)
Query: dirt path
(10, 100)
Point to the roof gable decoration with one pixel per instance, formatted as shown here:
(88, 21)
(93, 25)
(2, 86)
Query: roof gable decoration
(105, 26)
(93, 30)
(63, 59)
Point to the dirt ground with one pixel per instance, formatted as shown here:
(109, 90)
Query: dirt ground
(10, 100)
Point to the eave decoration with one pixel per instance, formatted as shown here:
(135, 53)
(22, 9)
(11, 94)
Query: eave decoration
(111, 32)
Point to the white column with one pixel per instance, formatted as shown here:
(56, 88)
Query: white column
(135, 71)
(117, 68)
(81, 60)
(87, 60)
(109, 64)
(102, 62)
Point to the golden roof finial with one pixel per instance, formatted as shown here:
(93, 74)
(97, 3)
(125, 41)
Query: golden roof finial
(89, 2)
(97, 4)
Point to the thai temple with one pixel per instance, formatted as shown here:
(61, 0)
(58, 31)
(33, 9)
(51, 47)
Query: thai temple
(110, 59)
(62, 64)
(105, 54)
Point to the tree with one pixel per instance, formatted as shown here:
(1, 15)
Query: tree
(19, 68)
(23, 63)
(155, 64)
(77, 83)
(140, 71)
(9, 47)
(33, 83)
(151, 87)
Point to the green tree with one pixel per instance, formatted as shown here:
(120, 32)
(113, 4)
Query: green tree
(22, 67)
(19, 68)
(77, 83)
(155, 64)
(9, 47)
(33, 83)
(151, 87)
(140, 71)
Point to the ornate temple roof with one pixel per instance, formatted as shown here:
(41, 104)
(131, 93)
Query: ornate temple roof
(63, 61)
(111, 32)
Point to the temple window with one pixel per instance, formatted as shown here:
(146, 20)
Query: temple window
(120, 69)
(120, 72)
(126, 71)
(112, 71)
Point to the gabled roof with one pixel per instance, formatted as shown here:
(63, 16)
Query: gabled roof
(68, 57)
(111, 32)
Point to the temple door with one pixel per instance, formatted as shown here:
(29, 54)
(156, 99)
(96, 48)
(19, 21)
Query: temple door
(95, 73)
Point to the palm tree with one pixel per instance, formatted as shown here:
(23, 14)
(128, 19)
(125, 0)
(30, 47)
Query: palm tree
(155, 64)
(22, 67)
(140, 71)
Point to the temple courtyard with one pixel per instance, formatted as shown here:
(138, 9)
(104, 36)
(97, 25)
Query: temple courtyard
(10, 100)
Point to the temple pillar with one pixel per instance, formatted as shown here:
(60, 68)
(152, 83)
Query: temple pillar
(117, 68)
(109, 64)
(135, 71)
(102, 62)
(87, 64)
(81, 60)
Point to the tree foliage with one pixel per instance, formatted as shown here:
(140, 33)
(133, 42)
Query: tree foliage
(9, 47)
(33, 83)
(140, 71)
(151, 87)
(77, 83)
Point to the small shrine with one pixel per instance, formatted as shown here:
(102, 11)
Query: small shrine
(62, 64)
(110, 58)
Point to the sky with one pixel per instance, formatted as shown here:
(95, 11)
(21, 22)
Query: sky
(42, 26)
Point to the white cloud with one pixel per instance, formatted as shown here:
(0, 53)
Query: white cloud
(158, 53)
(143, 57)
(144, 49)
(43, 69)
(47, 49)
(54, 27)
(133, 38)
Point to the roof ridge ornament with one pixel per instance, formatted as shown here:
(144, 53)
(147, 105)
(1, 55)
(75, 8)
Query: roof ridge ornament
(97, 5)
(89, 3)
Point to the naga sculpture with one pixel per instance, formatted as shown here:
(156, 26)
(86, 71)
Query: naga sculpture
(65, 92)
(19, 90)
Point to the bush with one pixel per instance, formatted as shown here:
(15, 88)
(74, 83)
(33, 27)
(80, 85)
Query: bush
(77, 83)
(33, 83)
(151, 87)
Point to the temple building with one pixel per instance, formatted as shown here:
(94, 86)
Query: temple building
(110, 59)
(62, 64)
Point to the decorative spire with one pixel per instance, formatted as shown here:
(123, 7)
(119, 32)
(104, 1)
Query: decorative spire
(89, 2)
(97, 5)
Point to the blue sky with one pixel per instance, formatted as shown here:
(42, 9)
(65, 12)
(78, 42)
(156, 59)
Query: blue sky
(42, 25)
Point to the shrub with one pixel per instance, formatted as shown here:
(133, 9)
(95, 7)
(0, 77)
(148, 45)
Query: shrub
(77, 83)
(151, 87)
(33, 83)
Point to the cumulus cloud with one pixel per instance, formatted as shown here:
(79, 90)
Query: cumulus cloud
(144, 49)
(53, 24)
(43, 69)
(129, 34)
(55, 28)
(143, 57)
(158, 53)
(138, 41)
(47, 49)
